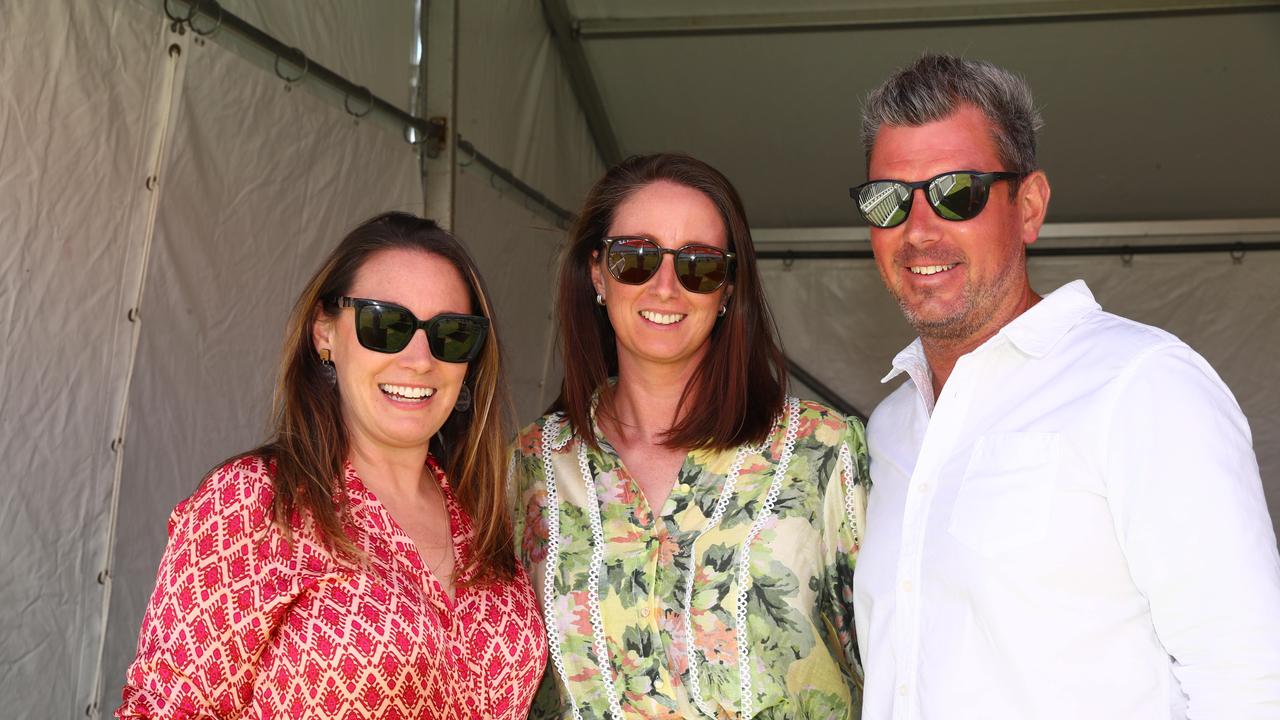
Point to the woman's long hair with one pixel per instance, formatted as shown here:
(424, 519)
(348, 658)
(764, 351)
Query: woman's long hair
(740, 385)
(311, 444)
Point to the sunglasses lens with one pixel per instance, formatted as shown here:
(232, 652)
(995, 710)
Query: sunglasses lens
(456, 338)
(702, 269)
(633, 260)
(958, 196)
(884, 203)
(382, 328)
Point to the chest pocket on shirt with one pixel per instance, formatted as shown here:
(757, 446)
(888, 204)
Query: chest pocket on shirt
(1006, 495)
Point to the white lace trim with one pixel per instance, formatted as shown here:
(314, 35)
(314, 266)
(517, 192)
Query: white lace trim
(553, 560)
(726, 492)
(593, 584)
(746, 702)
(850, 487)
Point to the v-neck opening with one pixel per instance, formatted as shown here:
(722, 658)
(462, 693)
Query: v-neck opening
(398, 534)
(668, 510)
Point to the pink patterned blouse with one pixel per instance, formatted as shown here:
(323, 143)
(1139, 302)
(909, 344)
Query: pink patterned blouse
(244, 625)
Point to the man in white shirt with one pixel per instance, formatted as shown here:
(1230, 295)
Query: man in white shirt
(1066, 518)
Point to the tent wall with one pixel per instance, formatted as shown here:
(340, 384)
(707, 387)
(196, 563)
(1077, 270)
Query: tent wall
(515, 102)
(81, 92)
(164, 197)
(836, 317)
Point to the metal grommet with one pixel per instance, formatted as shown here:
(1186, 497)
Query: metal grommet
(346, 103)
(197, 10)
(179, 20)
(304, 64)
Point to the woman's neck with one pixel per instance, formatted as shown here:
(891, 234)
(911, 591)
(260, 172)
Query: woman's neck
(399, 472)
(645, 402)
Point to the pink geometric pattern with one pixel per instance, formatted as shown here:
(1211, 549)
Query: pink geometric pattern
(244, 625)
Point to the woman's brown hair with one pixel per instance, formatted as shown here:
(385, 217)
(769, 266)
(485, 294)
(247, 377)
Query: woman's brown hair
(310, 443)
(740, 386)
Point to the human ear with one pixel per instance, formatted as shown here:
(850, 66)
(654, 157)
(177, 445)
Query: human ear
(1033, 204)
(597, 280)
(322, 330)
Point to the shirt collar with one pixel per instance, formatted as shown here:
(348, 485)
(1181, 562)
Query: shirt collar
(1034, 332)
(1037, 330)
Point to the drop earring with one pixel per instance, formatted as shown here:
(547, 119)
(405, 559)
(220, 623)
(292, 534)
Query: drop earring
(327, 369)
(463, 402)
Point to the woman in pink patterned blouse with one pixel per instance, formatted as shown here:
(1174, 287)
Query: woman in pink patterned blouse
(359, 564)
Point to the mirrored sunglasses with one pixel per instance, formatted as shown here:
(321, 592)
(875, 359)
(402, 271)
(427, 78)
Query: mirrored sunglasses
(388, 328)
(956, 195)
(634, 259)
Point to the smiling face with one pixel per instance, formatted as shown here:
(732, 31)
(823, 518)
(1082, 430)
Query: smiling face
(396, 401)
(660, 322)
(955, 281)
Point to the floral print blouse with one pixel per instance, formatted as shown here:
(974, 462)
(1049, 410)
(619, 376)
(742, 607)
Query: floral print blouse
(244, 624)
(734, 600)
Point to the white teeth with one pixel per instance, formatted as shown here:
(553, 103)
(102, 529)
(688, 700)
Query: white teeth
(930, 269)
(661, 318)
(409, 393)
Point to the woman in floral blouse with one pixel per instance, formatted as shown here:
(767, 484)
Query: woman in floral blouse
(691, 531)
(360, 564)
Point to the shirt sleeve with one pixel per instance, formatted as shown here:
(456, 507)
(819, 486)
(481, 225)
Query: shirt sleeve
(224, 584)
(1190, 515)
(844, 511)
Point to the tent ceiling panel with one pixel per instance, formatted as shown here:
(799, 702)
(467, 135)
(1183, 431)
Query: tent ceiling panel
(1166, 117)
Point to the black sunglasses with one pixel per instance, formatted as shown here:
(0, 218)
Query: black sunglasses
(633, 259)
(956, 195)
(387, 328)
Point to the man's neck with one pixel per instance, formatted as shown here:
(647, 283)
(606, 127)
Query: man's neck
(942, 353)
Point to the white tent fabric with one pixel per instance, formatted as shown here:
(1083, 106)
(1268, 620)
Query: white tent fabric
(152, 171)
(515, 102)
(81, 87)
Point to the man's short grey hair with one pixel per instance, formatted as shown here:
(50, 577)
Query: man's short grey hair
(934, 87)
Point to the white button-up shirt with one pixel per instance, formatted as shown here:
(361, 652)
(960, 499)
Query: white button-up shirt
(1075, 529)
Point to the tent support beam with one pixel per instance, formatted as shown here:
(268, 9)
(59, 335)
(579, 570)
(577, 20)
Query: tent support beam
(440, 70)
(988, 13)
(561, 24)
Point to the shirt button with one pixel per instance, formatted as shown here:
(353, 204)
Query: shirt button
(906, 587)
(644, 612)
(923, 488)
(902, 690)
